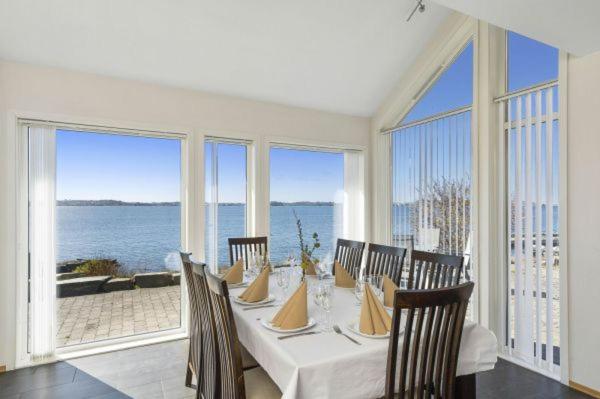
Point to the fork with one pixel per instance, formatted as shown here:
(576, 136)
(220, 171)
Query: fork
(338, 330)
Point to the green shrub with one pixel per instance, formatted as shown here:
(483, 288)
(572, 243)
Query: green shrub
(99, 267)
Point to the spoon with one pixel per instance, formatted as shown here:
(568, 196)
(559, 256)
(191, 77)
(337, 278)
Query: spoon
(338, 330)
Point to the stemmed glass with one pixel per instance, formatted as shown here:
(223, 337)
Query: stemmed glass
(323, 267)
(324, 299)
(359, 289)
(283, 281)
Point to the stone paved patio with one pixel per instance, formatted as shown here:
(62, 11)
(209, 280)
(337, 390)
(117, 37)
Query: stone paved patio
(116, 314)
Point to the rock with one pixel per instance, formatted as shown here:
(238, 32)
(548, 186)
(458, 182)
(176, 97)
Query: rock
(69, 265)
(176, 278)
(152, 280)
(80, 286)
(68, 276)
(118, 284)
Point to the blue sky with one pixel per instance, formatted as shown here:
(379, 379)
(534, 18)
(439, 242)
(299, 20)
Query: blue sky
(131, 168)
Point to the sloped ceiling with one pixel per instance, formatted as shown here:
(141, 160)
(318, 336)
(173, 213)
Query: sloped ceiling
(570, 25)
(336, 55)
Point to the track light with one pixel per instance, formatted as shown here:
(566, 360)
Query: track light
(420, 6)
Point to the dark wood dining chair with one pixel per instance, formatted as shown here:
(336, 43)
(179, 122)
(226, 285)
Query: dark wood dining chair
(349, 253)
(193, 363)
(205, 347)
(244, 247)
(429, 354)
(383, 259)
(431, 270)
(231, 380)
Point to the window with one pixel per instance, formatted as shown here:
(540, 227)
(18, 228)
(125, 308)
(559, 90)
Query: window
(225, 165)
(529, 124)
(431, 166)
(453, 89)
(104, 235)
(529, 62)
(308, 184)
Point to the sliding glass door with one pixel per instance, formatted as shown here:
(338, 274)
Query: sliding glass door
(529, 116)
(105, 228)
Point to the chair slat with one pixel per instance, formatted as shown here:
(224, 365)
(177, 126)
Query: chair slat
(349, 254)
(244, 247)
(383, 259)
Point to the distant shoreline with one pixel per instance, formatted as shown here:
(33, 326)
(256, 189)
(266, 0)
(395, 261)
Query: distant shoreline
(125, 203)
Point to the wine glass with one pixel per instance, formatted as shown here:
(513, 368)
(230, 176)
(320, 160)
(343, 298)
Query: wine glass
(325, 302)
(359, 289)
(323, 267)
(283, 281)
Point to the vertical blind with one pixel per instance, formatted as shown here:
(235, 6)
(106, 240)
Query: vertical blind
(529, 124)
(354, 197)
(431, 184)
(42, 240)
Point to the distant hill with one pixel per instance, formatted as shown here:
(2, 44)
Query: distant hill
(124, 203)
(111, 203)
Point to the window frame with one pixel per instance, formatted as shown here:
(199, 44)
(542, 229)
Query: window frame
(306, 145)
(21, 121)
(250, 211)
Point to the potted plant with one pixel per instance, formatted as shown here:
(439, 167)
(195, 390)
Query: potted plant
(306, 250)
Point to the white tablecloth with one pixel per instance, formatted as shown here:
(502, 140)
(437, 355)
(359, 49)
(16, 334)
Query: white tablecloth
(328, 365)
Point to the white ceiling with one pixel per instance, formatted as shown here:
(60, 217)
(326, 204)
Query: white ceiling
(571, 25)
(334, 55)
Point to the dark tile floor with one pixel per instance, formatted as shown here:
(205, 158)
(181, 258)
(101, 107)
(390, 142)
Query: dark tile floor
(508, 381)
(124, 380)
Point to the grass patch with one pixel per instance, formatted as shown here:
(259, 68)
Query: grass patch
(99, 267)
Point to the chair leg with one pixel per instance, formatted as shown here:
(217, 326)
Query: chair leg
(188, 377)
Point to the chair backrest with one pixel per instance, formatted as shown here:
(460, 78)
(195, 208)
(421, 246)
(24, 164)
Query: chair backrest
(231, 375)
(244, 247)
(195, 335)
(383, 259)
(349, 253)
(429, 353)
(206, 347)
(430, 270)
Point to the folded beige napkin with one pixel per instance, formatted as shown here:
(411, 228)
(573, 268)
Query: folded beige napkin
(235, 274)
(374, 320)
(388, 291)
(294, 314)
(342, 277)
(259, 289)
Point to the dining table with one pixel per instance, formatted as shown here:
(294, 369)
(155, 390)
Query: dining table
(326, 364)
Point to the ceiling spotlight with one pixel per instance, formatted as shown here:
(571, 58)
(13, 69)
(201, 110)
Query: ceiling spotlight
(420, 6)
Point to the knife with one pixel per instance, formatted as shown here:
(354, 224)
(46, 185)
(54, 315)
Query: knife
(297, 335)
(258, 307)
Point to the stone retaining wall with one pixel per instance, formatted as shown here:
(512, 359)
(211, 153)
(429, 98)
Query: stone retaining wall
(70, 283)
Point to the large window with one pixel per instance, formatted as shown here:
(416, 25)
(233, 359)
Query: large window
(225, 165)
(431, 166)
(104, 234)
(529, 124)
(309, 185)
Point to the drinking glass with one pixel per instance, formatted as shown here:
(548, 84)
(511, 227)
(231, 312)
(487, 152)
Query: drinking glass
(359, 289)
(283, 281)
(326, 301)
(291, 258)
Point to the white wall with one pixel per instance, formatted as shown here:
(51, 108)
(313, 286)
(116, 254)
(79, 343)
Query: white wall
(85, 97)
(583, 193)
